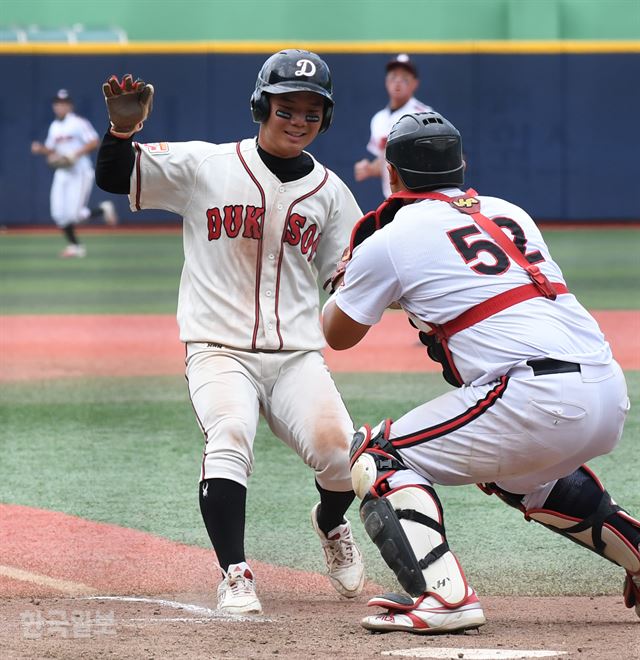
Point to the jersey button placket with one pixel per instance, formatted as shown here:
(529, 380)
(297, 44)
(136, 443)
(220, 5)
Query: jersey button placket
(269, 293)
(270, 274)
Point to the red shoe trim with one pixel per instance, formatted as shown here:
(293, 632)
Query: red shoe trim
(418, 623)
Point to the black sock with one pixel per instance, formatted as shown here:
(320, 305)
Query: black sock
(222, 505)
(94, 213)
(70, 233)
(333, 506)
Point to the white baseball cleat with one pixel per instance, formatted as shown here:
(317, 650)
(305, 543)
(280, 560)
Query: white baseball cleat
(109, 213)
(237, 592)
(73, 251)
(342, 556)
(424, 615)
(632, 591)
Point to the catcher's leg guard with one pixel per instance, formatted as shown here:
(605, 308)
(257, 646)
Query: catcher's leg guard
(373, 459)
(406, 523)
(509, 498)
(581, 509)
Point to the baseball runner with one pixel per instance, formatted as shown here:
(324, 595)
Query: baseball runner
(538, 391)
(262, 220)
(401, 81)
(69, 142)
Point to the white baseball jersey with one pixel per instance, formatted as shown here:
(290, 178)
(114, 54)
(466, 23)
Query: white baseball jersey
(71, 187)
(254, 246)
(248, 306)
(509, 423)
(381, 124)
(437, 263)
(67, 136)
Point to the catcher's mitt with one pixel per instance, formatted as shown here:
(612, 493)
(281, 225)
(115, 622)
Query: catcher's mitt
(128, 102)
(338, 274)
(56, 162)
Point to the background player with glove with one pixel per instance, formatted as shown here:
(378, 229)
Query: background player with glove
(262, 220)
(401, 82)
(538, 391)
(69, 142)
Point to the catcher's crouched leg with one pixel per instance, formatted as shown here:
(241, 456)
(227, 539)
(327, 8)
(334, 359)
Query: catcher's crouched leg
(579, 508)
(406, 525)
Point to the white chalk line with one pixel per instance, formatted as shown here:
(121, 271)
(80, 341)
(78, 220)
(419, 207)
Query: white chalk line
(65, 586)
(473, 654)
(85, 592)
(205, 613)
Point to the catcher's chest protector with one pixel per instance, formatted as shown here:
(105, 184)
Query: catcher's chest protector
(434, 336)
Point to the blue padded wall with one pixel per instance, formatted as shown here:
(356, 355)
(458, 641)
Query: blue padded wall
(556, 134)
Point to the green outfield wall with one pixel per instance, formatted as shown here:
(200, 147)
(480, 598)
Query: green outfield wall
(350, 20)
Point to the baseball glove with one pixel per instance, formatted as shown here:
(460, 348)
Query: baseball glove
(56, 162)
(128, 102)
(338, 274)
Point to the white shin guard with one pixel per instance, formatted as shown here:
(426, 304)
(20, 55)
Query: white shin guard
(420, 516)
(405, 523)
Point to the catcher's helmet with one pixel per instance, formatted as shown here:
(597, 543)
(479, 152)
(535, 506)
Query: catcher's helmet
(292, 71)
(426, 149)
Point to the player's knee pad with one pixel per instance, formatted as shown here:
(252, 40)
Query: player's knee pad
(581, 509)
(407, 528)
(373, 460)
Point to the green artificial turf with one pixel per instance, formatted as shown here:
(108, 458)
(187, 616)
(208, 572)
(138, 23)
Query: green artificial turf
(123, 273)
(127, 451)
(139, 273)
(601, 266)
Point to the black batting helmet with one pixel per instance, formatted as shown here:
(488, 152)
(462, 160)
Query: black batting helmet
(426, 149)
(292, 71)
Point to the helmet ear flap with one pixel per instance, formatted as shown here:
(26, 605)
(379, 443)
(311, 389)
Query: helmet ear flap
(327, 117)
(259, 106)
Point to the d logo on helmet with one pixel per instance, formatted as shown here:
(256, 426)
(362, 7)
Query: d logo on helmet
(307, 68)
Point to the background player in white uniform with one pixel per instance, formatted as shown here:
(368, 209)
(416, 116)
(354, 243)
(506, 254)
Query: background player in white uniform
(539, 391)
(69, 142)
(401, 81)
(262, 220)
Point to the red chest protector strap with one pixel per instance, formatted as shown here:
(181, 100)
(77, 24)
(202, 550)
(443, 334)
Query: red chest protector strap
(540, 285)
(488, 308)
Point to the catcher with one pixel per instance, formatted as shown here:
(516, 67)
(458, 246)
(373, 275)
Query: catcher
(537, 391)
(69, 142)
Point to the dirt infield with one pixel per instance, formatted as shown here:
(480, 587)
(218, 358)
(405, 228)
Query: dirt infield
(71, 588)
(41, 347)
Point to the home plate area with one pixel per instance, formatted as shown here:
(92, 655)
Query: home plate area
(472, 654)
(73, 588)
